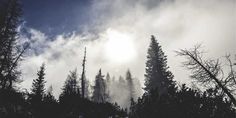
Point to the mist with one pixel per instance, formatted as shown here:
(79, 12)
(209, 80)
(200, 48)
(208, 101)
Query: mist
(117, 58)
(175, 23)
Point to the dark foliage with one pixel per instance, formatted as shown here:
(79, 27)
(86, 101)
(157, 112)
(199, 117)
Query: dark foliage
(10, 51)
(38, 92)
(90, 109)
(38, 86)
(70, 105)
(183, 103)
(13, 104)
(157, 75)
(130, 84)
(211, 72)
(162, 98)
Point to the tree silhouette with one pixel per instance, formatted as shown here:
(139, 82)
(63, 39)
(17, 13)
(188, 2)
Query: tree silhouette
(38, 86)
(70, 98)
(10, 54)
(15, 103)
(130, 85)
(108, 85)
(10, 51)
(71, 85)
(50, 105)
(209, 72)
(49, 98)
(162, 97)
(38, 92)
(182, 103)
(157, 75)
(99, 93)
(83, 78)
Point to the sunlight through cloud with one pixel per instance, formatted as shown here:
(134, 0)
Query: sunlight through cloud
(119, 47)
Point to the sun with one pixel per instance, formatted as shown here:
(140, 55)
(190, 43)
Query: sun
(119, 47)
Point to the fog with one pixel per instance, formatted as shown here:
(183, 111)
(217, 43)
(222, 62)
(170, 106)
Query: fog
(177, 24)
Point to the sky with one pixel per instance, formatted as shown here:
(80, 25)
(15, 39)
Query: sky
(117, 33)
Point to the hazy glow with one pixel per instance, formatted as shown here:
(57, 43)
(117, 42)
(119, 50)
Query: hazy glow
(119, 47)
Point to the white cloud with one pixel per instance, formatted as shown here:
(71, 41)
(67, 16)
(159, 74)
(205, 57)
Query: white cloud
(177, 24)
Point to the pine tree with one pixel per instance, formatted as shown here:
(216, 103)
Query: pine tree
(108, 85)
(70, 98)
(48, 98)
(121, 81)
(70, 87)
(50, 105)
(130, 84)
(10, 51)
(99, 93)
(38, 86)
(108, 78)
(157, 74)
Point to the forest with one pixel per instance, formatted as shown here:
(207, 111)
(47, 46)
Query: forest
(163, 97)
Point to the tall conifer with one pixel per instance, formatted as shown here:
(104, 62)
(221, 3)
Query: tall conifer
(157, 75)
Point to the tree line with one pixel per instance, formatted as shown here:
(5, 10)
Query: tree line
(163, 97)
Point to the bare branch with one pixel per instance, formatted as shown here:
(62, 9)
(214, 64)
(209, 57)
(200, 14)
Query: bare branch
(207, 72)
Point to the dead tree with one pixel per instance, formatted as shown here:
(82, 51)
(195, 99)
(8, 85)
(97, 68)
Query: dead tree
(83, 75)
(210, 72)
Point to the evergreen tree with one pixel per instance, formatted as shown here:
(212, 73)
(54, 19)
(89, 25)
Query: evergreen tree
(10, 51)
(122, 82)
(132, 108)
(49, 98)
(99, 93)
(130, 84)
(70, 87)
(38, 86)
(183, 103)
(157, 74)
(50, 105)
(37, 93)
(108, 78)
(108, 85)
(70, 98)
